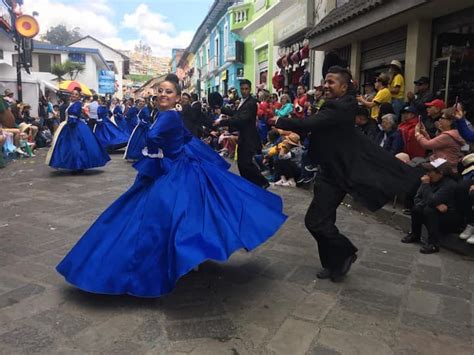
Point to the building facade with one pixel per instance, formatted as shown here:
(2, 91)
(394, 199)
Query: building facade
(117, 61)
(431, 38)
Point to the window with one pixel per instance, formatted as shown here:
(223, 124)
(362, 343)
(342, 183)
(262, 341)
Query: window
(44, 63)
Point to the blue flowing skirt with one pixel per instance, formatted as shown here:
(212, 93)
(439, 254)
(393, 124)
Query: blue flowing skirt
(131, 123)
(110, 136)
(77, 148)
(136, 143)
(121, 123)
(163, 227)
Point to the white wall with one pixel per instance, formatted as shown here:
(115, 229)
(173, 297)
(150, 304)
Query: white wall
(109, 55)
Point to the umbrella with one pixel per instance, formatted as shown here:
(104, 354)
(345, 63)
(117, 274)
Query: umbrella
(70, 85)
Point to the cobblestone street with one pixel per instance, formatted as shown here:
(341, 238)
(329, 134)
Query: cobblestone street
(394, 301)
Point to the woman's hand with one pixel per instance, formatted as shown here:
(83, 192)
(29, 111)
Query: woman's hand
(459, 112)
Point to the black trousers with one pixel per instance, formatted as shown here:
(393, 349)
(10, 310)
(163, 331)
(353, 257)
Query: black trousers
(91, 123)
(247, 168)
(320, 220)
(287, 168)
(435, 222)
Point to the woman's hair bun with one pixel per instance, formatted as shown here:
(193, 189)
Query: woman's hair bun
(172, 77)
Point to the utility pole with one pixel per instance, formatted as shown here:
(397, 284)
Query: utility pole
(19, 86)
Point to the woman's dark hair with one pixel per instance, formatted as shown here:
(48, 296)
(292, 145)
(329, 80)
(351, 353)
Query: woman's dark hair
(55, 106)
(346, 76)
(173, 79)
(78, 89)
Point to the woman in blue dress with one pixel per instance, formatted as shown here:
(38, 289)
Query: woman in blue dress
(108, 134)
(181, 211)
(131, 117)
(137, 140)
(74, 146)
(119, 118)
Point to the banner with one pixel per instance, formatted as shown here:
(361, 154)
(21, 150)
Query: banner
(106, 82)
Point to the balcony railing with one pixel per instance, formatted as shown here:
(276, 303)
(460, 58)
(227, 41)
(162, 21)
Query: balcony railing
(240, 16)
(213, 64)
(204, 71)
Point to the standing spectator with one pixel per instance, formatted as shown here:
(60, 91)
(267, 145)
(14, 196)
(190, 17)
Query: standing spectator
(433, 110)
(63, 107)
(462, 124)
(421, 96)
(410, 119)
(383, 96)
(299, 102)
(318, 97)
(397, 86)
(93, 106)
(389, 138)
(447, 144)
(434, 207)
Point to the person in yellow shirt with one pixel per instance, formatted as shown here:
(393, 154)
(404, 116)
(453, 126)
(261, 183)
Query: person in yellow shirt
(383, 96)
(397, 86)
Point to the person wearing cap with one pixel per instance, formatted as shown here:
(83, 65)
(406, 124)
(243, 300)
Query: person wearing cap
(369, 91)
(365, 125)
(288, 165)
(349, 164)
(421, 96)
(433, 110)
(383, 96)
(397, 86)
(447, 144)
(409, 120)
(434, 206)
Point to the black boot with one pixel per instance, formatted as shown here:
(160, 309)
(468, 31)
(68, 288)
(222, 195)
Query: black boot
(410, 238)
(324, 274)
(429, 249)
(338, 275)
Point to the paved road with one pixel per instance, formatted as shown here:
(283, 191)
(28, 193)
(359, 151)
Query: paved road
(395, 301)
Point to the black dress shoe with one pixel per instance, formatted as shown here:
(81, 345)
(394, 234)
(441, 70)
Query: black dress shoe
(429, 249)
(324, 274)
(338, 275)
(410, 238)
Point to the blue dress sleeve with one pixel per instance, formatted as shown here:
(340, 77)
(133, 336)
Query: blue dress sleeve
(102, 112)
(464, 130)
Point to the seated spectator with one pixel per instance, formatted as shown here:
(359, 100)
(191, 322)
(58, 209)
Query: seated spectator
(286, 106)
(433, 111)
(383, 96)
(465, 198)
(434, 207)
(447, 144)
(288, 165)
(410, 118)
(389, 138)
(365, 125)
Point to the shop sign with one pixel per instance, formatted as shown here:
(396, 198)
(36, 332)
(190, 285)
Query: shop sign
(106, 82)
(224, 75)
(296, 18)
(77, 57)
(240, 73)
(5, 18)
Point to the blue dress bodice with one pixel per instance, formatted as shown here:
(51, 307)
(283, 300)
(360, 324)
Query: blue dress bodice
(74, 112)
(103, 113)
(167, 134)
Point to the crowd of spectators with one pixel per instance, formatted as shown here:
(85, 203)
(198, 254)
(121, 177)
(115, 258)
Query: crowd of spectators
(417, 128)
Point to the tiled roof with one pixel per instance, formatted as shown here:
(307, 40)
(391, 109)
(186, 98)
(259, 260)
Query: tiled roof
(344, 13)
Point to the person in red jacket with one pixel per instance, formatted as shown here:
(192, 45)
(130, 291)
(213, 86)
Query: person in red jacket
(299, 102)
(410, 118)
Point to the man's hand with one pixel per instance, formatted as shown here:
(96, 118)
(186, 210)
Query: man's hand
(425, 179)
(410, 96)
(442, 208)
(471, 188)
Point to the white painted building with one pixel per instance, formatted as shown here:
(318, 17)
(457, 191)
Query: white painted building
(117, 61)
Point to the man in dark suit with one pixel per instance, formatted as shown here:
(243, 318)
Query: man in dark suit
(244, 120)
(349, 163)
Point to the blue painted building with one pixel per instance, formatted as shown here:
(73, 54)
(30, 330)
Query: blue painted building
(217, 52)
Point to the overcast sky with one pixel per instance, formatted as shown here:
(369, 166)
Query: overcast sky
(122, 23)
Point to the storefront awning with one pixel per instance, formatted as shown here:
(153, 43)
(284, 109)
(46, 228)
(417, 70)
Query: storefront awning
(344, 13)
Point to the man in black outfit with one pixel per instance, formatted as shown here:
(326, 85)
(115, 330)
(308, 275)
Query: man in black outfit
(244, 120)
(349, 163)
